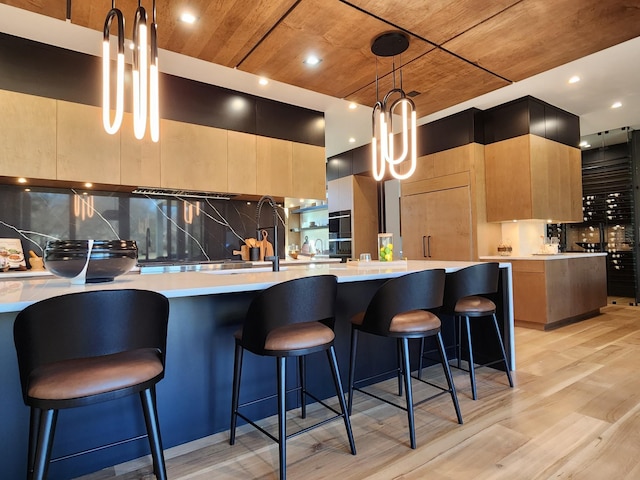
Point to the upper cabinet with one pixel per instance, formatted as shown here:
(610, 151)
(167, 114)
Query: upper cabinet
(275, 161)
(193, 157)
(139, 159)
(50, 139)
(242, 163)
(530, 177)
(85, 152)
(28, 127)
(533, 164)
(308, 171)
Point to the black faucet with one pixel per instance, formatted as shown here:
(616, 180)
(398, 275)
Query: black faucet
(275, 260)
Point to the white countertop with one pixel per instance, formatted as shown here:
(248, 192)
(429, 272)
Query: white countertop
(558, 256)
(16, 293)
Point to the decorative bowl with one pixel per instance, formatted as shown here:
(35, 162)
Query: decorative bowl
(106, 259)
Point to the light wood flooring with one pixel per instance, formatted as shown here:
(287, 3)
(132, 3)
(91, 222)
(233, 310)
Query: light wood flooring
(574, 414)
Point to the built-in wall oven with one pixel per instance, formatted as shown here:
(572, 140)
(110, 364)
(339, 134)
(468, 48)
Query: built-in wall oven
(340, 234)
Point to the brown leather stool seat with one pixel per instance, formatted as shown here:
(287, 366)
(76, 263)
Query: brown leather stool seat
(400, 309)
(464, 290)
(285, 321)
(89, 347)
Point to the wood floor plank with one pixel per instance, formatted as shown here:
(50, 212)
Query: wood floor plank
(574, 414)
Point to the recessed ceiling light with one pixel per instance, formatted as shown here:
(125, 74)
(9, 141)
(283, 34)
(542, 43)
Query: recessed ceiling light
(188, 18)
(574, 79)
(352, 140)
(353, 106)
(88, 184)
(263, 81)
(22, 180)
(616, 105)
(312, 60)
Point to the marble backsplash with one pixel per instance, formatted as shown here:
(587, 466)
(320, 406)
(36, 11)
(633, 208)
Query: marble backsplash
(165, 228)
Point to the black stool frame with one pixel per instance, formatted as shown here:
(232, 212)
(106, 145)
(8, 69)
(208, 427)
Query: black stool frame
(414, 291)
(309, 299)
(84, 325)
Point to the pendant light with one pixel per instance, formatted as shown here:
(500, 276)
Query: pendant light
(395, 103)
(144, 73)
(112, 128)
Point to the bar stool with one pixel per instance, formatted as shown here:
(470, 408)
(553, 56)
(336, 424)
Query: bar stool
(464, 297)
(290, 319)
(83, 348)
(399, 309)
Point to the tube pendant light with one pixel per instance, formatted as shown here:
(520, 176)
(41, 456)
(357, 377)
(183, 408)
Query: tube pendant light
(110, 127)
(139, 72)
(394, 104)
(154, 102)
(144, 74)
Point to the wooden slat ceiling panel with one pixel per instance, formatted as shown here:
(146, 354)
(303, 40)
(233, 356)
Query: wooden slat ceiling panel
(56, 9)
(436, 20)
(534, 36)
(341, 37)
(442, 80)
(512, 39)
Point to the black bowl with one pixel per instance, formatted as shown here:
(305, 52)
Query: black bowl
(109, 258)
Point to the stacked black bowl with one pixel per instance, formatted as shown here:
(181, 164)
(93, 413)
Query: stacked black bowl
(108, 258)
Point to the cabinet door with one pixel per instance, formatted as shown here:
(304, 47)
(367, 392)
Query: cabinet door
(309, 171)
(86, 153)
(193, 157)
(437, 225)
(274, 167)
(242, 163)
(139, 159)
(28, 136)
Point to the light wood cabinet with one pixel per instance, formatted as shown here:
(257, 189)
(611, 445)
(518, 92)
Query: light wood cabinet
(340, 194)
(193, 157)
(242, 172)
(28, 129)
(357, 193)
(443, 207)
(139, 159)
(440, 225)
(275, 163)
(530, 177)
(85, 152)
(551, 293)
(309, 171)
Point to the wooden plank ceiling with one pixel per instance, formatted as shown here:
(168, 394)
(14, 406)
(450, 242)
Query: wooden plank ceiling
(459, 49)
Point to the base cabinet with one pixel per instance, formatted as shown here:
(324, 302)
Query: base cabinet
(550, 293)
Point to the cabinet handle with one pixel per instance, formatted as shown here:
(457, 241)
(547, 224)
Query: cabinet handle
(429, 246)
(424, 248)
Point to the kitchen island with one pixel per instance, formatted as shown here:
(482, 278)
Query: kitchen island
(194, 397)
(550, 291)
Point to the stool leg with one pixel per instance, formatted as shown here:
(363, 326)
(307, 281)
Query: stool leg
(333, 363)
(472, 372)
(303, 386)
(149, 407)
(235, 395)
(458, 338)
(282, 417)
(420, 359)
(504, 354)
(407, 387)
(352, 367)
(400, 365)
(34, 428)
(447, 374)
(46, 431)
